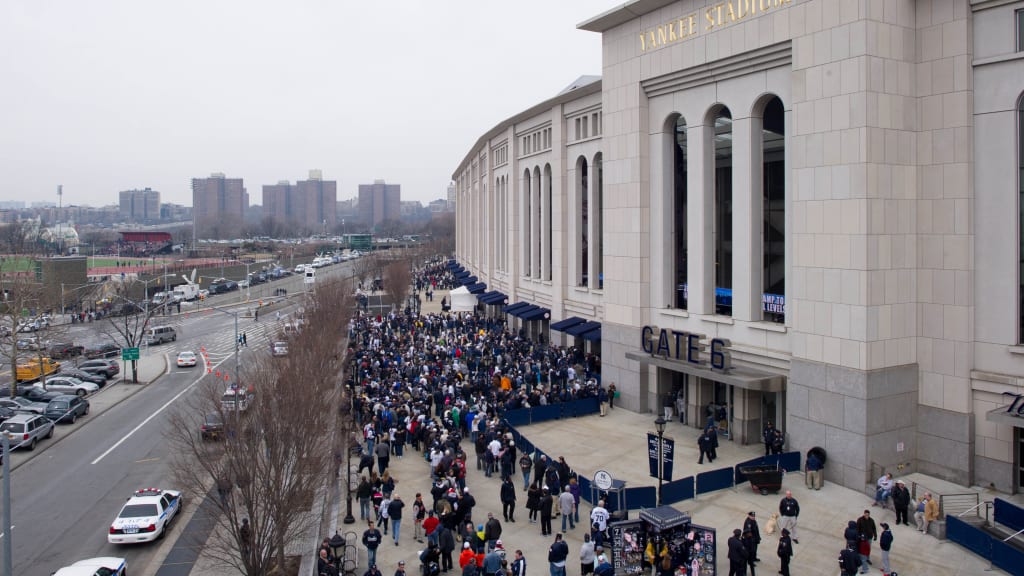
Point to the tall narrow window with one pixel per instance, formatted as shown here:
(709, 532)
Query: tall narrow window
(1020, 30)
(582, 192)
(773, 146)
(679, 176)
(599, 220)
(1020, 208)
(723, 212)
(538, 231)
(548, 250)
(527, 209)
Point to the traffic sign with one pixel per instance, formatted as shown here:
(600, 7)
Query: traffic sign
(129, 353)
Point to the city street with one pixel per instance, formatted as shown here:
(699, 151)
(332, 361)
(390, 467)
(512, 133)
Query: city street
(66, 492)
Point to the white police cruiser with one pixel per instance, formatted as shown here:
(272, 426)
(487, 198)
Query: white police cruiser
(145, 516)
(106, 566)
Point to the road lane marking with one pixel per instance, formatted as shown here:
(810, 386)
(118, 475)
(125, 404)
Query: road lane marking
(147, 460)
(150, 417)
(3, 533)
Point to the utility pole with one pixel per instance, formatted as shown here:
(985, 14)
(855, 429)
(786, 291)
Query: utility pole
(8, 563)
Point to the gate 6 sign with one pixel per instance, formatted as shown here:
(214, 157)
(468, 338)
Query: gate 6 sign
(1016, 408)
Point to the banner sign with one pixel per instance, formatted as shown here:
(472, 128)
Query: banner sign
(667, 450)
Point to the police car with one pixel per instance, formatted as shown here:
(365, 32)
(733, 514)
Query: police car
(106, 566)
(145, 516)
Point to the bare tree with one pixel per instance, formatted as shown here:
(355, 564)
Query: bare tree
(398, 280)
(129, 321)
(365, 266)
(275, 455)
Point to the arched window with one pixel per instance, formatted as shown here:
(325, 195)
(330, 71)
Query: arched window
(598, 206)
(722, 225)
(547, 221)
(527, 210)
(582, 193)
(773, 187)
(677, 141)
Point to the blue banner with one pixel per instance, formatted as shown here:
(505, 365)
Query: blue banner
(668, 446)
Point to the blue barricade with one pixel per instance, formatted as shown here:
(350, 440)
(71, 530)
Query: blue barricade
(678, 491)
(584, 488)
(790, 461)
(970, 537)
(1008, 514)
(714, 480)
(640, 497)
(518, 417)
(586, 407)
(1007, 557)
(545, 413)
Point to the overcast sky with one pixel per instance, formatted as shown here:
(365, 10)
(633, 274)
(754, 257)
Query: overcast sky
(103, 96)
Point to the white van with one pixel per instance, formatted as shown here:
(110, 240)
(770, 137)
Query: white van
(160, 335)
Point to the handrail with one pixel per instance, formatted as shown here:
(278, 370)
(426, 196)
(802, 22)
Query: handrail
(978, 505)
(1014, 534)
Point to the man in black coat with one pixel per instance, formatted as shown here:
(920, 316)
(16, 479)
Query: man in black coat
(704, 444)
(750, 525)
(901, 502)
(446, 543)
(848, 561)
(737, 555)
(785, 552)
(545, 513)
(508, 499)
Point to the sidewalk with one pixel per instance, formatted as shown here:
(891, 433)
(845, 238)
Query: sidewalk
(617, 443)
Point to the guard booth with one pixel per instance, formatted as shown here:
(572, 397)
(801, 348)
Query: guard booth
(660, 531)
(613, 492)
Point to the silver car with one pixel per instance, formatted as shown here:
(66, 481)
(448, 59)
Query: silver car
(22, 404)
(24, 430)
(69, 385)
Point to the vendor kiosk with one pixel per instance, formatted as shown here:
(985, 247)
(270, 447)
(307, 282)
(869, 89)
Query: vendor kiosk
(638, 544)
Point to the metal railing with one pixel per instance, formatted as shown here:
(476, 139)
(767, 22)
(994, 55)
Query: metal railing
(956, 504)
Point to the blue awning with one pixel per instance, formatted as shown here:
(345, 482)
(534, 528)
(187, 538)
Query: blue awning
(580, 329)
(592, 335)
(538, 314)
(493, 298)
(520, 311)
(469, 280)
(477, 288)
(569, 322)
(515, 307)
(461, 274)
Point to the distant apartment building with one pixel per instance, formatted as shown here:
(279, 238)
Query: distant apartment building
(170, 212)
(451, 196)
(379, 202)
(218, 206)
(141, 206)
(308, 205)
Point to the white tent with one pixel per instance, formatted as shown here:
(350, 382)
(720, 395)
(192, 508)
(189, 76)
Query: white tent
(462, 300)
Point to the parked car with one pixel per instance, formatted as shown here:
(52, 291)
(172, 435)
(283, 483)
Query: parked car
(97, 379)
(212, 427)
(105, 566)
(28, 343)
(279, 348)
(64, 350)
(38, 394)
(107, 367)
(6, 414)
(105, 350)
(67, 408)
(22, 404)
(25, 430)
(186, 358)
(34, 368)
(145, 516)
(68, 385)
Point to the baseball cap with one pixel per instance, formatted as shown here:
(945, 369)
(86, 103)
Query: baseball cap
(401, 562)
(498, 543)
(601, 558)
(465, 544)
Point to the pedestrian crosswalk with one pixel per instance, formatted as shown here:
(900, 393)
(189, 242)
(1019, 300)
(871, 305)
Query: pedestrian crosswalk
(223, 344)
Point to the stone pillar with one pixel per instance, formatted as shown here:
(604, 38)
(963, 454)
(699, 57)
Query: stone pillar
(700, 212)
(747, 219)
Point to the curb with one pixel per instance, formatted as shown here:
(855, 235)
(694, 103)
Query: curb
(59, 439)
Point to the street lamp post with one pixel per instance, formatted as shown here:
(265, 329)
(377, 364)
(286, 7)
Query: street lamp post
(659, 425)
